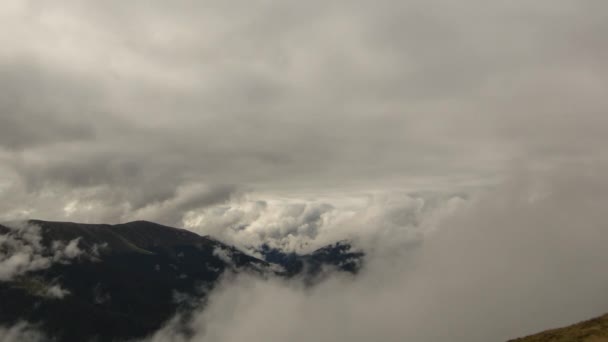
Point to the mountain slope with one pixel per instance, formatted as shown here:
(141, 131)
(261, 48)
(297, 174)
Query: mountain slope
(337, 256)
(593, 330)
(80, 282)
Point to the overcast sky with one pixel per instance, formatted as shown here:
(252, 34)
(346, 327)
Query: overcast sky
(113, 110)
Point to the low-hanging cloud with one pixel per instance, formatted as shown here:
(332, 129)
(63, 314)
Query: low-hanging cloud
(21, 332)
(22, 250)
(304, 225)
(504, 265)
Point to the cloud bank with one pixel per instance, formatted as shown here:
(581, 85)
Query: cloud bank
(301, 225)
(524, 257)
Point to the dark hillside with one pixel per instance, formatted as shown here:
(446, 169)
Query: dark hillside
(119, 282)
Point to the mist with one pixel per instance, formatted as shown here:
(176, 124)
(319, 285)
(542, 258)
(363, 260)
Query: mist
(522, 257)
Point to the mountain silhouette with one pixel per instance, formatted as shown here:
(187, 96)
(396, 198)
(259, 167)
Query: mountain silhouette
(121, 282)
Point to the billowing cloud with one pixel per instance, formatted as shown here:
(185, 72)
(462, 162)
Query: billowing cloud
(501, 267)
(22, 250)
(305, 225)
(301, 123)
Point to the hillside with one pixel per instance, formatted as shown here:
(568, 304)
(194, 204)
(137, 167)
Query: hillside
(78, 282)
(593, 330)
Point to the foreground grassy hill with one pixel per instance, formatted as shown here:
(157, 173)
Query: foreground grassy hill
(593, 330)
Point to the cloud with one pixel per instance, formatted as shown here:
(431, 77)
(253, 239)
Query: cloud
(302, 225)
(119, 106)
(21, 332)
(224, 254)
(502, 266)
(35, 111)
(186, 199)
(56, 291)
(22, 250)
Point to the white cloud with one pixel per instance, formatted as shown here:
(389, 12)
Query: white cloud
(21, 332)
(501, 267)
(56, 291)
(224, 254)
(305, 225)
(22, 250)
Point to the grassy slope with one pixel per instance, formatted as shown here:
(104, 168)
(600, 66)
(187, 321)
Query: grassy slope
(593, 330)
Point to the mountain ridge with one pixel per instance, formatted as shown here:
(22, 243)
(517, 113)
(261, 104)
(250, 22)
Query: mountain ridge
(123, 282)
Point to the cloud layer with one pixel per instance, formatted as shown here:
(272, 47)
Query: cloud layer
(115, 111)
(22, 251)
(525, 257)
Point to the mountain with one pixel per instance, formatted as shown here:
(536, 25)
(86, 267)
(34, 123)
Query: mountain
(80, 282)
(593, 330)
(337, 256)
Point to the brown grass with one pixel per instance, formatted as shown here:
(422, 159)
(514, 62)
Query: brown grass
(593, 330)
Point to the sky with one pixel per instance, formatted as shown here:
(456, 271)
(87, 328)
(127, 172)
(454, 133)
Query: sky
(299, 123)
(112, 111)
